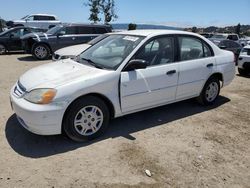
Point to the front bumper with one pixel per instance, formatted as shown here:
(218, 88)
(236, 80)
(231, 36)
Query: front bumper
(38, 119)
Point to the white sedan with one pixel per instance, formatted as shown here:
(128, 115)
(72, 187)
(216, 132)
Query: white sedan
(124, 73)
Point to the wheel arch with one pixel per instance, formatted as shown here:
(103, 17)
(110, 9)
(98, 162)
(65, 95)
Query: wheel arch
(106, 100)
(218, 75)
(44, 43)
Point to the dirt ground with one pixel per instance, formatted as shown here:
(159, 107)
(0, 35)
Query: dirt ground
(183, 144)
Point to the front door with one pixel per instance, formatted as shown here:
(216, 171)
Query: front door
(155, 85)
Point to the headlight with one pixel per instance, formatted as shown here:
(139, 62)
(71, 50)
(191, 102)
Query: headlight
(40, 96)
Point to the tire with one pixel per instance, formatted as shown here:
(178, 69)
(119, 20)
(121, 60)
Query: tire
(243, 72)
(41, 52)
(81, 123)
(210, 92)
(2, 49)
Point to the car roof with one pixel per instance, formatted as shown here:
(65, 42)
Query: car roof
(151, 32)
(42, 15)
(84, 24)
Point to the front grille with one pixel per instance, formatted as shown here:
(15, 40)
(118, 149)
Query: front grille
(19, 90)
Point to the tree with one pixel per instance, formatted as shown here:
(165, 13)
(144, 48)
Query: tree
(237, 29)
(132, 26)
(108, 10)
(194, 29)
(105, 7)
(94, 10)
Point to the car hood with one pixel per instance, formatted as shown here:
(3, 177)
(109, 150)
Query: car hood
(72, 50)
(55, 74)
(35, 35)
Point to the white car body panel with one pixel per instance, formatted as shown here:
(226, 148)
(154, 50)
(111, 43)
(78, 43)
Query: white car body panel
(128, 92)
(71, 51)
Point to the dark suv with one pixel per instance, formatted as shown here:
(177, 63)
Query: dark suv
(42, 45)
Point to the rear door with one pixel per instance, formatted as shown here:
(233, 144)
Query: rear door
(196, 63)
(155, 85)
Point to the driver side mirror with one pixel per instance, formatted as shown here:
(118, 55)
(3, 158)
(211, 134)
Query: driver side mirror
(136, 64)
(11, 35)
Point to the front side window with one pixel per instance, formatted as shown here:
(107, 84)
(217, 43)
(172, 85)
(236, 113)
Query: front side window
(30, 18)
(157, 52)
(17, 33)
(192, 48)
(111, 51)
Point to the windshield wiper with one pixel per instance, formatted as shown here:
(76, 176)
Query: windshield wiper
(93, 63)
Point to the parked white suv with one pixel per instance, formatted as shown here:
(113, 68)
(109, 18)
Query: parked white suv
(218, 37)
(44, 21)
(124, 73)
(244, 61)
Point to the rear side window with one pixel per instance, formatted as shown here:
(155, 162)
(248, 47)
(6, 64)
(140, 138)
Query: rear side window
(193, 48)
(100, 30)
(86, 30)
(44, 18)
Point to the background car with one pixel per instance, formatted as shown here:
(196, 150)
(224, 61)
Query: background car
(232, 46)
(42, 45)
(45, 21)
(10, 39)
(244, 61)
(218, 37)
(73, 51)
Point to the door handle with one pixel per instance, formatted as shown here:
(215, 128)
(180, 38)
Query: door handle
(73, 38)
(171, 72)
(210, 65)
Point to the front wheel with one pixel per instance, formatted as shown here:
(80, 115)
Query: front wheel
(210, 92)
(86, 119)
(41, 52)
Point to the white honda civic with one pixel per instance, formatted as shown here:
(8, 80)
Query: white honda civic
(124, 73)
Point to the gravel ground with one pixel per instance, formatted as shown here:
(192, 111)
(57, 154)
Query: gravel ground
(183, 144)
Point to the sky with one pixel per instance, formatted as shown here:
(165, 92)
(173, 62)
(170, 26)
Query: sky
(179, 13)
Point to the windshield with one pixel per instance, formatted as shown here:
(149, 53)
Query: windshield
(220, 36)
(4, 32)
(111, 51)
(97, 39)
(54, 30)
(24, 17)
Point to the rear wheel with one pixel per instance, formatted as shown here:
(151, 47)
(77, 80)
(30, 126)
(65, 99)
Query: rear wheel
(210, 91)
(86, 119)
(41, 52)
(2, 49)
(242, 72)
